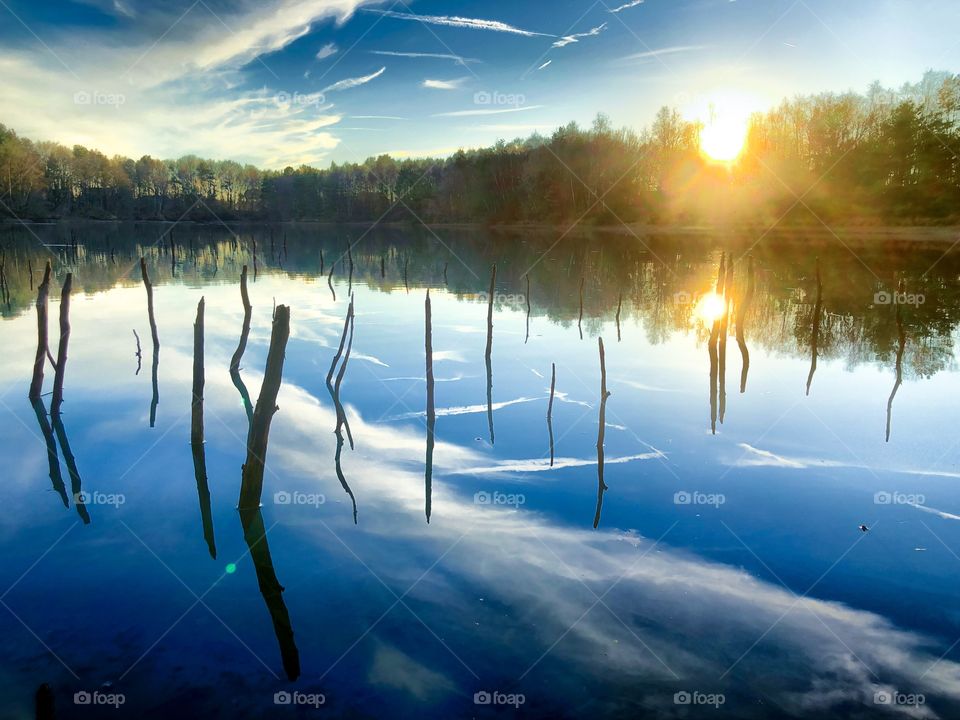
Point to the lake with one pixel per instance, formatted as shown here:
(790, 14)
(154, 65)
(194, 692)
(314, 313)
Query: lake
(761, 519)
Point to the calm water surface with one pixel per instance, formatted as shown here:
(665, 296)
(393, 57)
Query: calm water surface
(718, 569)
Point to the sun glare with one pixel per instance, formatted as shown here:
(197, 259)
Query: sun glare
(710, 307)
(724, 116)
(723, 138)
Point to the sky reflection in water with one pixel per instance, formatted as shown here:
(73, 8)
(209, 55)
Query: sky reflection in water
(761, 587)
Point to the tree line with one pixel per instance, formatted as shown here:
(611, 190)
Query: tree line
(883, 156)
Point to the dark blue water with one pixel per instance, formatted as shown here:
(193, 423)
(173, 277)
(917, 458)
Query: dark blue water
(727, 576)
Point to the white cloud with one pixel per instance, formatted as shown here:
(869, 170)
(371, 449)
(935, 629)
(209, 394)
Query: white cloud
(627, 6)
(461, 22)
(349, 83)
(546, 64)
(180, 92)
(327, 50)
(376, 117)
(439, 56)
(474, 113)
(568, 39)
(445, 84)
(649, 54)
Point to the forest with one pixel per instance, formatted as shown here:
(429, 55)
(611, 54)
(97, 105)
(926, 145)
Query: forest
(880, 157)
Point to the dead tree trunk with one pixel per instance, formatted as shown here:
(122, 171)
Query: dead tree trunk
(251, 488)
(61, 367)
(36, 386)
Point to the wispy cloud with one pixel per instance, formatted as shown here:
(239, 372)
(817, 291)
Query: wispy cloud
(569, 39)
(546, 64)
(445, 84)
(437, 56)
(650, 54)
(477, 113)
(376, 117)
(627, 6)
(934, 511)
(461, 22)
(327, 50)
(349, 83)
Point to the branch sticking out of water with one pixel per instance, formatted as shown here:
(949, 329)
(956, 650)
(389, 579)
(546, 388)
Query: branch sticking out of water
(36, 386)
(61, 365)
(156, 342)
(196, 433)
(251, 488)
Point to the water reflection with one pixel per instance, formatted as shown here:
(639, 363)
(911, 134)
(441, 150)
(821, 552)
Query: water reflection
(743, 307)
(431, 410)
(601, 432)
(815, 334)
(901, 347)
(155, 337)
(472, 600)
(255, 535)
(489, 351)
(334, 390)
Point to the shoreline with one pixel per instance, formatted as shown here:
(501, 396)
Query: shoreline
(929, 233)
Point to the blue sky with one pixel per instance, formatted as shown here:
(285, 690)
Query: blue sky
(278, 82)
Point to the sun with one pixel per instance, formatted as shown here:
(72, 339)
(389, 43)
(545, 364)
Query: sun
(710, 307)
(724, 118)
(722, 138)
